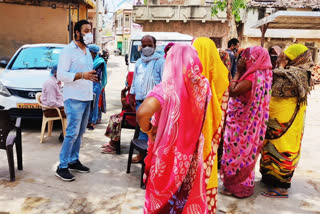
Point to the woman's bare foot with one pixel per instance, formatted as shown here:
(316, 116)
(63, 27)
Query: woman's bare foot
(137, 159)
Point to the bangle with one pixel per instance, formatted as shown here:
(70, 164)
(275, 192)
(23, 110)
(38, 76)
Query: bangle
(123, 99)
(234, 81)
(82, 75)
(147, 132)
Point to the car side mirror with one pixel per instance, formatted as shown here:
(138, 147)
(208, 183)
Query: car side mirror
(3, 63)
(126, 57)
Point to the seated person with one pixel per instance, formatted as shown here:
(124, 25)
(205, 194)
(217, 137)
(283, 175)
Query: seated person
(114, 126)
(52, 96)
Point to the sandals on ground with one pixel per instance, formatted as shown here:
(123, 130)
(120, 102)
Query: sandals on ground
(108, 150)
(274, 194)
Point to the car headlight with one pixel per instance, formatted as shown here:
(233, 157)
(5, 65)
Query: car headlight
(4, 91)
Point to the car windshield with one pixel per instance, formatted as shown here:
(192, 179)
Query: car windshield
(36, 58)
(136, 46)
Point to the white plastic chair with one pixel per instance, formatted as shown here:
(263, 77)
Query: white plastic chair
(50, 120)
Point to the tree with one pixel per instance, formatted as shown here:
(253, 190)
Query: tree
(233, 8)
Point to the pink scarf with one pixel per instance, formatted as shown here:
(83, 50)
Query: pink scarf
(174, 164)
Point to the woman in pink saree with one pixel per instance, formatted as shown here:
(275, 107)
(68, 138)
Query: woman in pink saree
(174, 168)
(248, 113)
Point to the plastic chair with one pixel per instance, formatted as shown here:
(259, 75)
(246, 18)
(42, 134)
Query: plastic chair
(8, 138)
(142, 147)
(50, 120)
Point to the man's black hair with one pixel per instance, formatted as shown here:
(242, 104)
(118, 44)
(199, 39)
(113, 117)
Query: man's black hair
(78, 25)
(152, 37)
(233, 41)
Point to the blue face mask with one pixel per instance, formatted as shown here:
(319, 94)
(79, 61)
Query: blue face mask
(147, 51)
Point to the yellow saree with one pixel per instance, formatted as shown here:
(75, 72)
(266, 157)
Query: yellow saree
(217, 74)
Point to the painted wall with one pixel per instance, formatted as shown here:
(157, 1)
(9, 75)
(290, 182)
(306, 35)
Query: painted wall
(22, 24)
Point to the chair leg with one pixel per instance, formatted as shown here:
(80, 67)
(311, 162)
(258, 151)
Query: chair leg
(11, 163)
(50, 126)
(118, 148)
(43, 129)
(19, 152)
(142, 173)
(130, 157)
(64, 126)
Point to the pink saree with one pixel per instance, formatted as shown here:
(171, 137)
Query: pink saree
(246, 125)
(174, 164)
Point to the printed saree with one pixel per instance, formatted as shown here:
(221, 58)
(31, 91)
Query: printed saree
(246, 125)
(174, 165)
(281, 149)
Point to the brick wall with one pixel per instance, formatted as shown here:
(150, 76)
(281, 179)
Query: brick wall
(193, 28)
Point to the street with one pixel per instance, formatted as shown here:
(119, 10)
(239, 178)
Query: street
(108, 189)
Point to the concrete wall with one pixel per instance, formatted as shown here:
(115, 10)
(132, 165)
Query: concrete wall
(22, 24)
(283, 43)
(193, 28)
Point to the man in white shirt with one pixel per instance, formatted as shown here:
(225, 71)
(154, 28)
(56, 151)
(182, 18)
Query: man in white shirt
(75, 69)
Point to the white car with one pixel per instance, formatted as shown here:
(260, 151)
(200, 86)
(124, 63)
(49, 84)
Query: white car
(24, 76)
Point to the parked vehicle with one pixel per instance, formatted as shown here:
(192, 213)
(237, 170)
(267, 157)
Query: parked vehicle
(24, 76)
(163, 38)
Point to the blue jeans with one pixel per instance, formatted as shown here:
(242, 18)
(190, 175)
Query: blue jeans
(142, 136)
(77, 119)
(94, 112)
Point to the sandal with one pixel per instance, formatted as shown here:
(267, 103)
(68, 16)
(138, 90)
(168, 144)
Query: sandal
(226, 192)
(106, 145)
(271, 193)
(108, 150)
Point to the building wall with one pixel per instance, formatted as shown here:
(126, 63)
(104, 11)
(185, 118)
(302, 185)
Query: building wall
(30, 24)
(193, 28)
(283, 43)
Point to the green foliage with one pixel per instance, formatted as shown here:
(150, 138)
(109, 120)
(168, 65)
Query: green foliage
(145, 2)
(221, 5)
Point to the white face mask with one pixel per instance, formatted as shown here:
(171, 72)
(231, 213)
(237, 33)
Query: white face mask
(147, 51)
(88, 38)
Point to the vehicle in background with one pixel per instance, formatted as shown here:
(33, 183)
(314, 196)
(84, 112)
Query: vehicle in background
(163, 38)
(24, 76)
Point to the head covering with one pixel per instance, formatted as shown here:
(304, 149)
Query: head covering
(167, 48)
(53, 70)
(174, 162)
(293, 51)
(257, 58)
(94, 48)
(276, 49)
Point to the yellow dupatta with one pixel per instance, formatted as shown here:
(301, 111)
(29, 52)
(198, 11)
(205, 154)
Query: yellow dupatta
(217, 74)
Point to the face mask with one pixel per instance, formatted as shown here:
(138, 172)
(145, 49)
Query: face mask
(274, 57)
(147, 51)
(87, 38)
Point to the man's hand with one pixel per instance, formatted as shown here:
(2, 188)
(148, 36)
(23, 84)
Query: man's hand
(91, 75)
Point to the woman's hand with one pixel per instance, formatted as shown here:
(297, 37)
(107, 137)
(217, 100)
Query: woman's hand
(152, 135)
(282, 60)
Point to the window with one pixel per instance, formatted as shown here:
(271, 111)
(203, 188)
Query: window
(127, 21)
(36, 58)
(217, 41)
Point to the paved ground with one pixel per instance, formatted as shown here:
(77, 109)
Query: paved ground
(108, 189)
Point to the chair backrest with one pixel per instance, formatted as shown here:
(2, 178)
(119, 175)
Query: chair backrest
(5, 127)
(38, 97)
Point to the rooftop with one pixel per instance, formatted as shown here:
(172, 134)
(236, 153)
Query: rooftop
(313, 4)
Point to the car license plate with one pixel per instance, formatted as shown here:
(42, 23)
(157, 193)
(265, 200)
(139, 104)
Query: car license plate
(28, 105)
